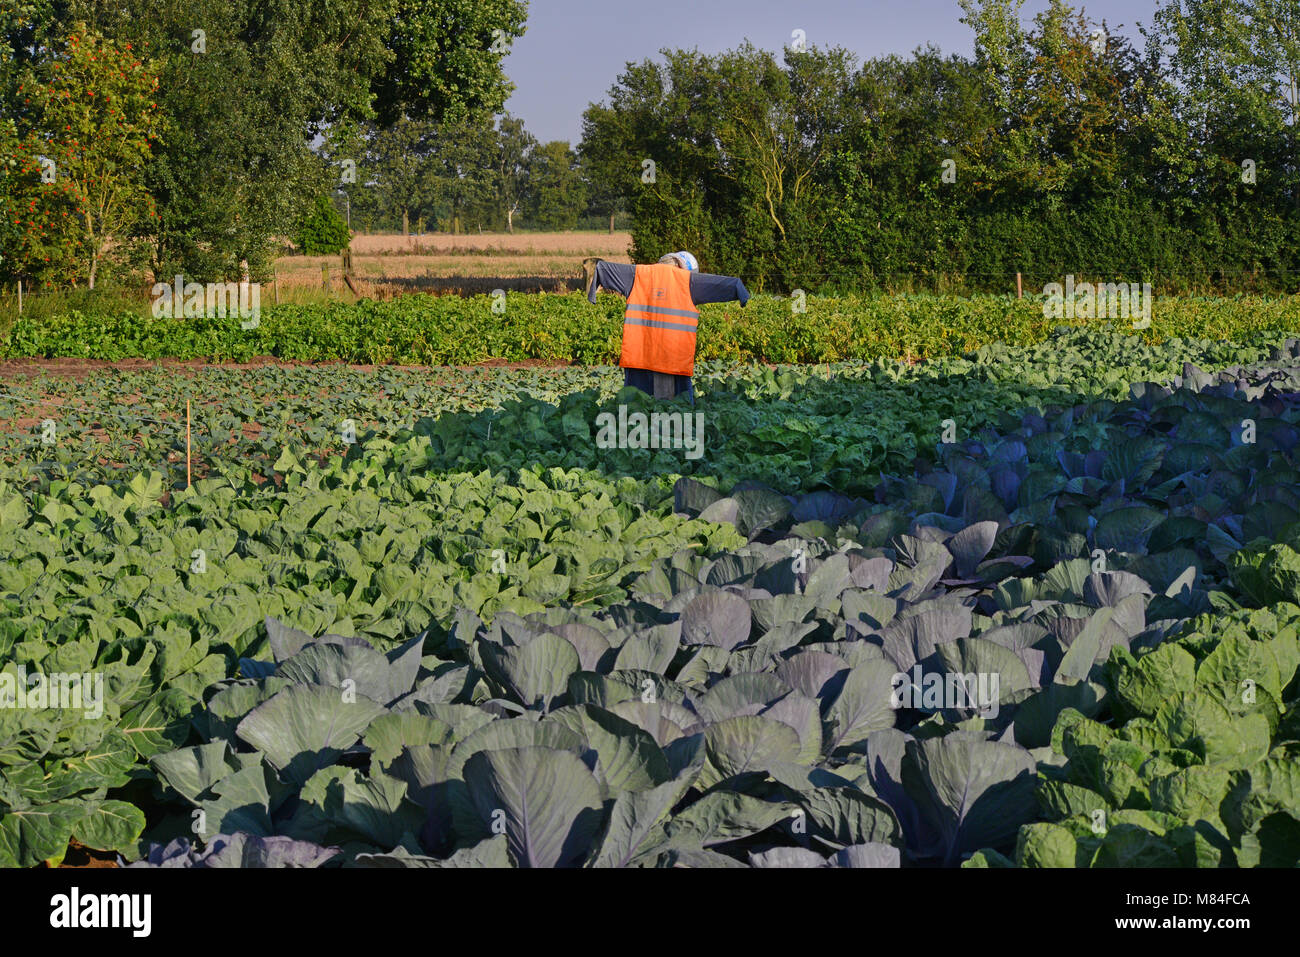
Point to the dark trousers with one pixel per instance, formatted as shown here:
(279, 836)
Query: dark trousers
(661, 385)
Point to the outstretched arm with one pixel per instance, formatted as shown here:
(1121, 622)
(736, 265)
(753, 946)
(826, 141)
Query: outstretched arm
(616, 277)
(706, 287)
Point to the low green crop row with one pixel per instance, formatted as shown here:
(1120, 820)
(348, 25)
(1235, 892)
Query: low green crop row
(564, 329)
(799, 428)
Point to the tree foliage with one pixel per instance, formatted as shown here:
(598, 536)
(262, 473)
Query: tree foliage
(447, 58)
(1058, 148)
(323, 231)
(466, 173)
(76, 174)
(555, 190)
(257, 102)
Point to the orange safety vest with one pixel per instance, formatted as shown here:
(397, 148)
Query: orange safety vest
(660, 320)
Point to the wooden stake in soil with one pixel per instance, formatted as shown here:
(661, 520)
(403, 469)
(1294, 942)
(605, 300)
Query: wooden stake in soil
(1020, 289)
(276, 283)
(187, 443)
(20, 297)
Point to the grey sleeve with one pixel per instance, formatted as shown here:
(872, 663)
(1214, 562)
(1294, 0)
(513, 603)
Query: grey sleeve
(706, 287)
(616, 277)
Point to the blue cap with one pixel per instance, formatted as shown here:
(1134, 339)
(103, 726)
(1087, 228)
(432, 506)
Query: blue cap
(690, 260)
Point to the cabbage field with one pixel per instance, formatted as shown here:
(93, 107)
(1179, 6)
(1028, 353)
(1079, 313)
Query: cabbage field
(1031, 602)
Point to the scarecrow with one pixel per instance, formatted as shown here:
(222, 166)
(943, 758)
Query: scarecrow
(659, 323)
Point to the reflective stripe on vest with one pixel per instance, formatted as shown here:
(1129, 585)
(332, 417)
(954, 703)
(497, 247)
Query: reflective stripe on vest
(660, 321)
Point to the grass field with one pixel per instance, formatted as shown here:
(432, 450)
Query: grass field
(387, 265)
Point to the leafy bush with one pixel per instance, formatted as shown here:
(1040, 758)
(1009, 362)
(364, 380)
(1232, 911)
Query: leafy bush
(323, 231)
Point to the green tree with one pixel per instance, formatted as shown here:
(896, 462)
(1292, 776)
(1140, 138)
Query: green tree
(653, 144)
(1230, 135)
(245, 89)
(606, 158)
(397, 169)
(1000, 46)
(739, 145)
(447, 58)
(556, 192)
(245, 101)
(1077, 111)
(892, 215)
(514, 148)
(38, 242)
(95, 118)
(603, 197)
(462, 171)
(28, 28)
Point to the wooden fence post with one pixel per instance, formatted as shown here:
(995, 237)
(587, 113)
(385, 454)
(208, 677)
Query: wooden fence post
(325, 276)
(276, 284)
(347, 271)
(20, 297)
(1020, 289)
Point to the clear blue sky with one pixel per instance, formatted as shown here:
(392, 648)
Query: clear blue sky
(574, 50)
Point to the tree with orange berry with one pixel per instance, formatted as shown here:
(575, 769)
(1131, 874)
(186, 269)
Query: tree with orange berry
(94, 121)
